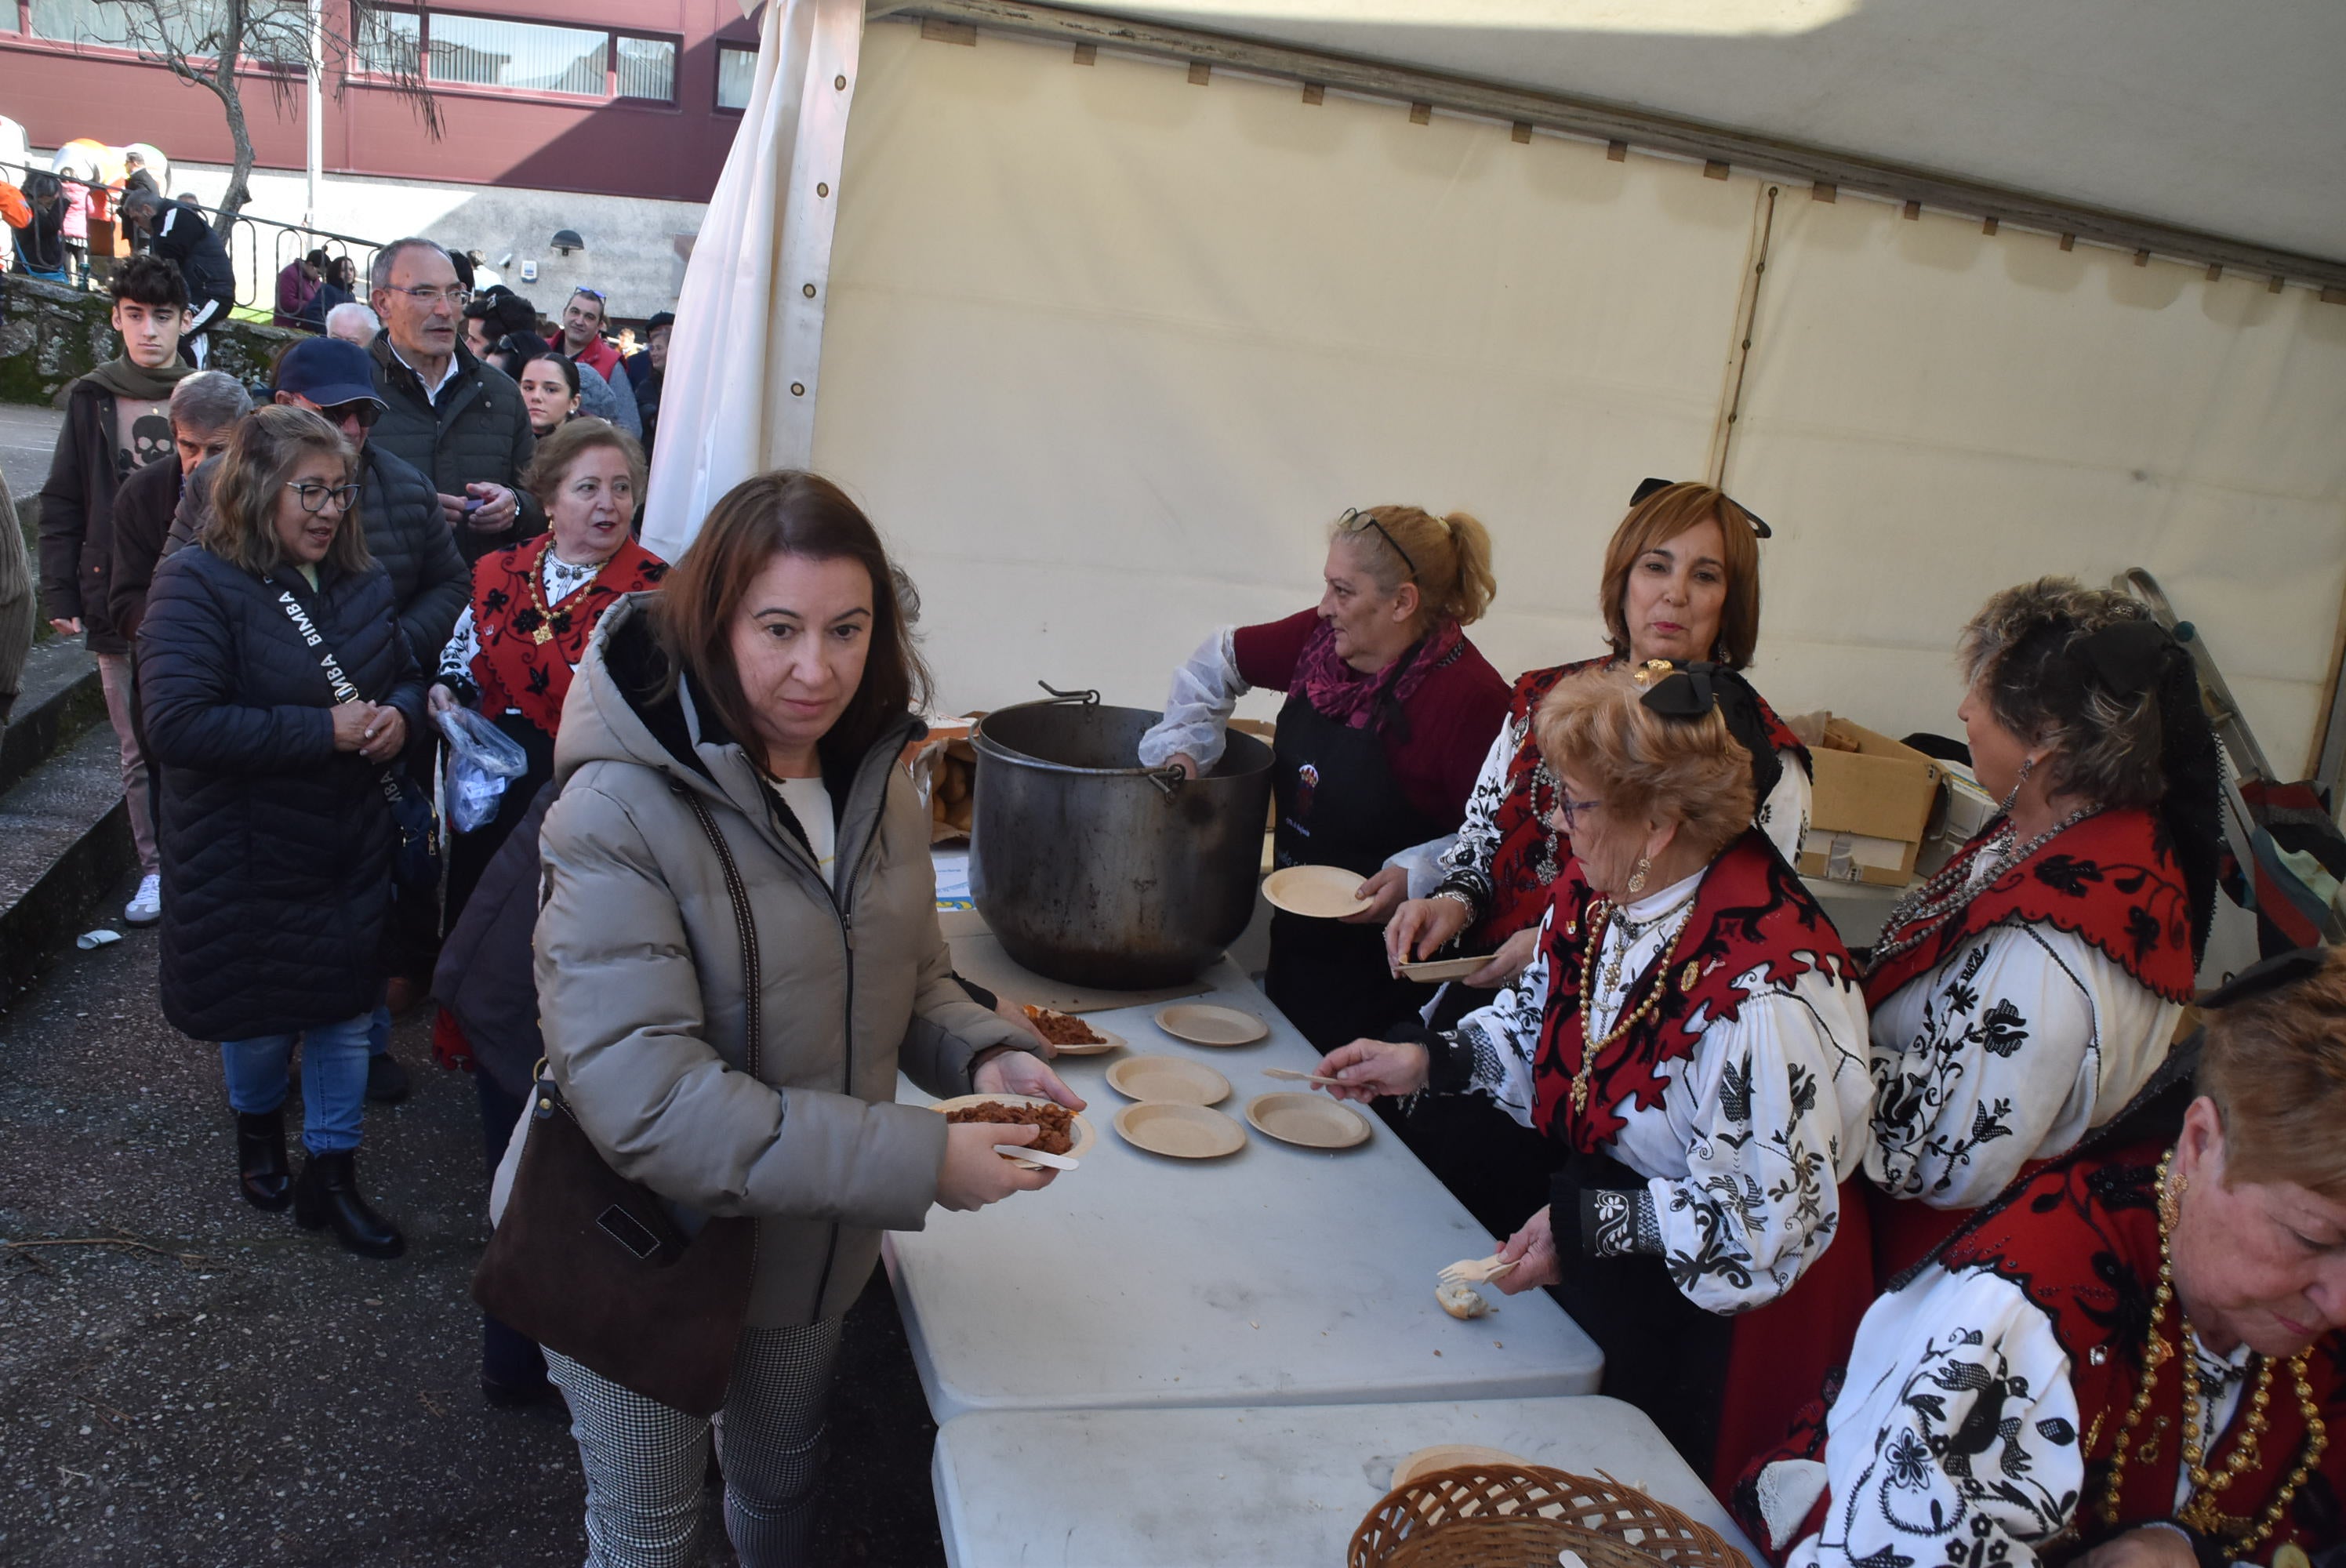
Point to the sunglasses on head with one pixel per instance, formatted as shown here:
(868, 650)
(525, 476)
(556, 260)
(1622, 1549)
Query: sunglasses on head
(1354, 521)
(1759, 529)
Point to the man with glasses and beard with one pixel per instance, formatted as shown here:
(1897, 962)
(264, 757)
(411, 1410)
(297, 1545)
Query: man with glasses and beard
(402, 517)
(445, 412)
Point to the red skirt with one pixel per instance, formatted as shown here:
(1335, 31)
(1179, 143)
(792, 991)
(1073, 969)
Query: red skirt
(1781, 1354)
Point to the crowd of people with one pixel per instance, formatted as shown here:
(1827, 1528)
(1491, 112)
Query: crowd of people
(1893, 1244)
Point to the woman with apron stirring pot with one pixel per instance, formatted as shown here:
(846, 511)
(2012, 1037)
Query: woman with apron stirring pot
(1389, 711)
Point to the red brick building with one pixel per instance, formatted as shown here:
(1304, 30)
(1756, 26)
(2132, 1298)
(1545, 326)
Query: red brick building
(613, 97)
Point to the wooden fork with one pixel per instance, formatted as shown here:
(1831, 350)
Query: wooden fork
(1291, 1074)
(1476, 1270)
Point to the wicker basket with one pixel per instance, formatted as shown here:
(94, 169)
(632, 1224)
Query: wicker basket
(1498, 1516)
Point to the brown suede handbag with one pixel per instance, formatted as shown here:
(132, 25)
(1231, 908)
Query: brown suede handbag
(589, 1264)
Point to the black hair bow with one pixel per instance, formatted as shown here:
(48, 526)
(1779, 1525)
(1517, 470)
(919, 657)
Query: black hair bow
(1680, 691)
(1690, 691)
(2129, 656)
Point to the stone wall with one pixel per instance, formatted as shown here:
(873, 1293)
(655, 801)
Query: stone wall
(53, 334)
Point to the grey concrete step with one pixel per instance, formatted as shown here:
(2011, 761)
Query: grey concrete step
(65, 841)
(60, 698)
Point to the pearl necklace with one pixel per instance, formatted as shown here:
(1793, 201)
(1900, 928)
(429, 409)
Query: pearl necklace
(1600, 921)
(2201, 1514)
(1918, 916)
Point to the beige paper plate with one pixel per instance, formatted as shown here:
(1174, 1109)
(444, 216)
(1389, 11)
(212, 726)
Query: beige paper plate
(1202, 1023)
(1168, 1080)
(1185, 1131)
(1314, 1121)
(1082, 1134)
(1434, 969)
(1318, 892)
(1107, 1042)
(1450, 1456)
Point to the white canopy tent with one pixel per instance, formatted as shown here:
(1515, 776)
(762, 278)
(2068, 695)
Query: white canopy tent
(1106, 339)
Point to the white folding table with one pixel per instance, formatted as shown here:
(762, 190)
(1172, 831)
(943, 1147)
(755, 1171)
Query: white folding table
(1260, 1487)
(1276, 1276)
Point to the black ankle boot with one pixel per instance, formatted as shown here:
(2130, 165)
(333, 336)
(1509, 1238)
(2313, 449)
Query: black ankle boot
(328, 1194)
(262, 1172)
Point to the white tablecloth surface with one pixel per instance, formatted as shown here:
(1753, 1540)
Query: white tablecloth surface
(1279, 1487)
(1275, 1275)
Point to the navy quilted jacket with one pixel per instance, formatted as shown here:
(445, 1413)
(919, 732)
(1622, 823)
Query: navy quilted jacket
(275, 848)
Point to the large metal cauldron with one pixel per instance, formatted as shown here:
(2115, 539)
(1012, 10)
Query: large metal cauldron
(1094, 870)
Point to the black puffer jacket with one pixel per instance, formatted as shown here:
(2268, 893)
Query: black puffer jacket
(477, 434)
(275, 848)
(430, 583)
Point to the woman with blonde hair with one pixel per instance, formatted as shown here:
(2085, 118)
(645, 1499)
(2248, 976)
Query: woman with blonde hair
(277, 690)
(2136, 1358)
(1691, 1041)
(1388, 704)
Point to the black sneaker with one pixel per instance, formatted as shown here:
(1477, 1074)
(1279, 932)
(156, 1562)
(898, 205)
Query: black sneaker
(387, 1081)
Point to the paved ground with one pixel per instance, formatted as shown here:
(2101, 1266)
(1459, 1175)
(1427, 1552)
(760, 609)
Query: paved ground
(27, 435)
(234, 1390)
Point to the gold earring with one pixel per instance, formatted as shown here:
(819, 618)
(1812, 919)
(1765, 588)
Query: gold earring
(1638, 877)
(2170, 1200)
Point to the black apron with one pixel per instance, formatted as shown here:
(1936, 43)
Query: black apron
(1339, 805)
(1490, 1162)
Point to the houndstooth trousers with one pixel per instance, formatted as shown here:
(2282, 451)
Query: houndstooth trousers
(645, 1462)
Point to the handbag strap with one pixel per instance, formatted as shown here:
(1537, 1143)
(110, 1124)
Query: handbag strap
(345, 692)
(753, 989)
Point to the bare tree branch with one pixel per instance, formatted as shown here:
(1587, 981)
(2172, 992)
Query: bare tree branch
(217, 45)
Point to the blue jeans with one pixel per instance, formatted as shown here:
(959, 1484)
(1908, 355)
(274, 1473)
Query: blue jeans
(333, 1079)
(379, 1030)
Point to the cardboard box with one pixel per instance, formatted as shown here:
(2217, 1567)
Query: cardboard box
(1869, 808)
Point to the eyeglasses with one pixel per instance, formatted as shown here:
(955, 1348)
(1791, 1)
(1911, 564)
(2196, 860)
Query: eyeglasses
(366, 411)
(1567, 810)
(314, 495)
(1354, 520)
(427, 295)
(1759, 529)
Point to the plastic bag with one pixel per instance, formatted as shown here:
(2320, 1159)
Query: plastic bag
(481, 759)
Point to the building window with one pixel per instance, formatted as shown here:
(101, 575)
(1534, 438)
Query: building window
(737, 70)
(647, 68)
(476, 51)
(390, 43)
(80, 22)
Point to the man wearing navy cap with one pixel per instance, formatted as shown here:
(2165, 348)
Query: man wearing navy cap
(400, 510)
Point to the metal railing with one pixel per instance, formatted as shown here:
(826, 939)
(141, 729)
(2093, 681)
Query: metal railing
(259, 249)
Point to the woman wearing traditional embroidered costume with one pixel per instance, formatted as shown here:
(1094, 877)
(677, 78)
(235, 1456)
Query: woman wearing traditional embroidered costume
(2139, 1354)
(534, 607)
(1681, 582)
(1692, 1044)
(2024, 994)
(1387, 706)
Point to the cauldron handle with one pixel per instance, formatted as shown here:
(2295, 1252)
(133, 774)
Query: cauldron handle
(1088, 698)
(1169, 779)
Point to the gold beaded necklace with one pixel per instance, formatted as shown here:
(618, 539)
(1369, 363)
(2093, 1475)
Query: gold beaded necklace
(1601, 917)
(2201, 1513)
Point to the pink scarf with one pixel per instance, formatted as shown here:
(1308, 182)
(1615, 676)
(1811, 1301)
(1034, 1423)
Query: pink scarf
(1338, 691)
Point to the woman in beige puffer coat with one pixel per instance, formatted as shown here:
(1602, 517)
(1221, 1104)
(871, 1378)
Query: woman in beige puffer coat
(772, 681)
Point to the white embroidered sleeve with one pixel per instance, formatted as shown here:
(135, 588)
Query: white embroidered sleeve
(456, 656)
(1477, 843)
(1502, 1039)
(1954, 1438)
(2010, 1051)
(1783, 816)
(1205, 691)
(1761, 1198)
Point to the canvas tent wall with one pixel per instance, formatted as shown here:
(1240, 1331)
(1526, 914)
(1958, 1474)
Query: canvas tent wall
(1104, 352)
